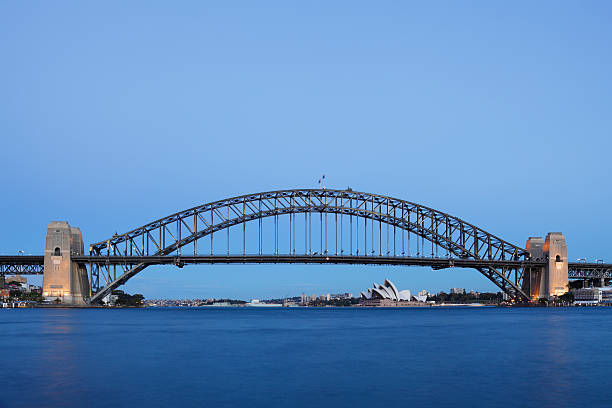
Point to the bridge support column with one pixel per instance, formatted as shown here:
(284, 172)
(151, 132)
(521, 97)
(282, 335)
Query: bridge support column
(534, 284)
(64, 279)
(557, 269)
(551, 280)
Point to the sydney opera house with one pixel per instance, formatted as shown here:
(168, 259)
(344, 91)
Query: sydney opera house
(386, 291)
(387, 295)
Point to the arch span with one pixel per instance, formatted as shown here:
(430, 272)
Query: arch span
(168, 235)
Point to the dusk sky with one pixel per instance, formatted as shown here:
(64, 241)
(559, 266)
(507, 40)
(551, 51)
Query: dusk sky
(113, 115)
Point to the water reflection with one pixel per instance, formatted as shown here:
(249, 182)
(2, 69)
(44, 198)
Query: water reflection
(60, 367)
(549, 357)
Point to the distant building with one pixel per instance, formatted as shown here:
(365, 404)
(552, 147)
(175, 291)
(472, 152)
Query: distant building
(457, 291)
(344, 295)
(31, 288)
(16, 278)
(22, 287)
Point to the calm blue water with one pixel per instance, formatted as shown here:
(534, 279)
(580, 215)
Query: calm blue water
(306, 357)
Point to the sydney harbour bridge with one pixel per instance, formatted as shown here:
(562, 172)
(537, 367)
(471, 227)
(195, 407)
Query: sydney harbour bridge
(308, 226)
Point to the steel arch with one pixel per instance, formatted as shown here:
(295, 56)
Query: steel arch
(458, 237)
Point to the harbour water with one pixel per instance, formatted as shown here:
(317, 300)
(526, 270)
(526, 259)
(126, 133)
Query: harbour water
(298, 357)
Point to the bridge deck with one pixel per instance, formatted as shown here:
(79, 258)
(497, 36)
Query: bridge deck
(436, 263)
(33, 264)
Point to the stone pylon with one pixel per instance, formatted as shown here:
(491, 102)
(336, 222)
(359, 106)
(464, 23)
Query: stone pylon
(64, 279)
(552, 279)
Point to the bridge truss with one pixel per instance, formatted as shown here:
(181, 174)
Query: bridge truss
(587, 271)
(359, 225)
(21, 265)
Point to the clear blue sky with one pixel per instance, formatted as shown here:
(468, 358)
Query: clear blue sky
(113, 115)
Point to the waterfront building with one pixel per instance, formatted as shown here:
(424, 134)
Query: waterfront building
(606, 294)
(30, 288)
(458, 291)
(587, 296)
(591, 296)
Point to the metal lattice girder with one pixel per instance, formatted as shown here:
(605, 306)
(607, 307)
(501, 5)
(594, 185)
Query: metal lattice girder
(21, 264)
(168, 235)
(21, 269)
(589, 271)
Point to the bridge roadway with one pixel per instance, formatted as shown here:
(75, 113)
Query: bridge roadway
(34, 264)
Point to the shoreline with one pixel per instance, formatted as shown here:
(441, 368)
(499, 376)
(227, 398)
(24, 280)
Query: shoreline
(424, 306)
